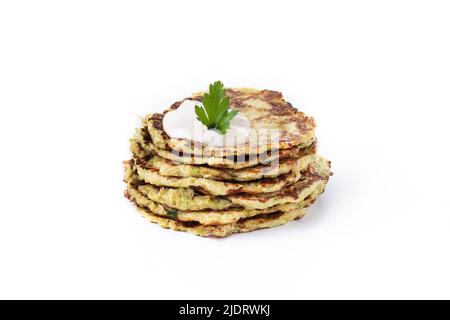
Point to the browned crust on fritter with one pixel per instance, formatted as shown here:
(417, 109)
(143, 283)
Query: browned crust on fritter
(144, 162)
(279, 108)
(295, 152)
(309, 177)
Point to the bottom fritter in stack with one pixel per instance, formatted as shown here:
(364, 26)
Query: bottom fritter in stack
(217, 196)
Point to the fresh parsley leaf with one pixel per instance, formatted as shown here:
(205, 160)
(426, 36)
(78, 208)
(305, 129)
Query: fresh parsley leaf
(216, 112)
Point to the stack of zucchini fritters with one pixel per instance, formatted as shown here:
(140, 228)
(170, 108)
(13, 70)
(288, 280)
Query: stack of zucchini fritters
(234, 189)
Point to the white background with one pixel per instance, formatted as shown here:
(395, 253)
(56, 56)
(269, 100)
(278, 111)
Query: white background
(75, 76)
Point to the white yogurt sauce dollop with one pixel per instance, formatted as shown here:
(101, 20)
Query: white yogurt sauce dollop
(182, 123)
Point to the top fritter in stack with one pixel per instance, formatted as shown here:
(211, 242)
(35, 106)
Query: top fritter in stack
(259, 184)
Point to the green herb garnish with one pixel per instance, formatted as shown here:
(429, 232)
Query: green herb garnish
(216, 112)
(172, 213)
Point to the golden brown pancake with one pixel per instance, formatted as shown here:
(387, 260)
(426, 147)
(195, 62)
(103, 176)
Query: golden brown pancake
(211, 217)
(152, 176)
(188, 199)
(266, 111)
(243, 225)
